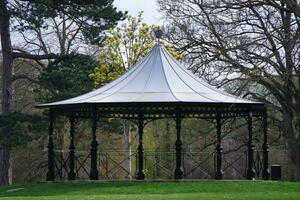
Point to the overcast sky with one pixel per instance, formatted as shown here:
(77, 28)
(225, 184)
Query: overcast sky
(150, 8)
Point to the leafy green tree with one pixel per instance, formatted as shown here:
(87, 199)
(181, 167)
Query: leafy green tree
(124, 47)
(26, 127)
(65, 77)
(92, 16)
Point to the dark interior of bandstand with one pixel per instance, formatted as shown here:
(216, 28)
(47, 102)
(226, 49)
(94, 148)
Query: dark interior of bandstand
(143, 113)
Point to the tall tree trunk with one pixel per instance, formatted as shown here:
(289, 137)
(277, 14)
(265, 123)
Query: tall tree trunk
(7, 91)
(127, 141)
(297, 137)
(291, 133)
(5, 167)
(296, 162)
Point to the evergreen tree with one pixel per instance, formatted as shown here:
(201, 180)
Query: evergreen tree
(92, 16)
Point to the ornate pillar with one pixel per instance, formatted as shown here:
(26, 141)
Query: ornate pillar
(250, 170)
(265, 170)
(219, 149)
(178, 174)
(140, 175)
(72, 174)
(94, 145)
(50, 173)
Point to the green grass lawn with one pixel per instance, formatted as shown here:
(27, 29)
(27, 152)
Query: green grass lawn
(199, 190)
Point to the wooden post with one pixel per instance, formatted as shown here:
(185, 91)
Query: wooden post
(219, 149)
(94, 175)
(72, 174)
(178, 174)
(250, 170)
(266, 170)
(140, 175)
(50, 173)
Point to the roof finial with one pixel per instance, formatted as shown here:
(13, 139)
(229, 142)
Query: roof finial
(158, 34)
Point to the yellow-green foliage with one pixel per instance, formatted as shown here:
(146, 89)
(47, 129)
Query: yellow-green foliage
(125, 45)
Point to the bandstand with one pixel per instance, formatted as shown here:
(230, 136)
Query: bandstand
(155, 88)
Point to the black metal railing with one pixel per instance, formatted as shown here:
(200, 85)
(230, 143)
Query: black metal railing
(118, 164)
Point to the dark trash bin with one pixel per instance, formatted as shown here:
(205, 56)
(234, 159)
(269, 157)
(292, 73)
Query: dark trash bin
(275, 172)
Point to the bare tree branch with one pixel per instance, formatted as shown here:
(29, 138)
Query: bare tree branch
(33, 57)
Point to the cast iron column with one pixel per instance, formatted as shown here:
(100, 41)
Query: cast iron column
(94, 169)
(266, 170)
(250, 170)
(178, 174)
(50, 173)
(72, 174)
(219, 172)
(140, 175)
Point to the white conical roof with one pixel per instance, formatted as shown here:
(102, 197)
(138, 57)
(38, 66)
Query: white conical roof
(156, 78)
